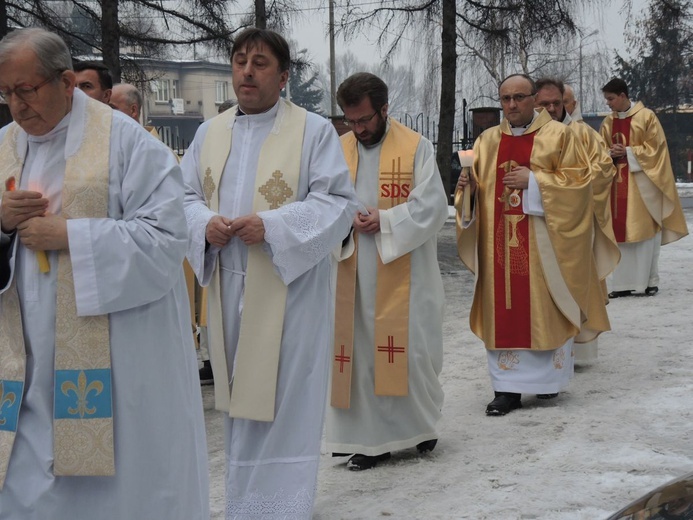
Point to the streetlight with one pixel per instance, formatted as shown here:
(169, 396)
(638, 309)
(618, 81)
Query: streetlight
(580, 63)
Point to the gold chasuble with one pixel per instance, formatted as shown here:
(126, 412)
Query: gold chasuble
(606, 251)
(536, 282)
(82, 404)
(643, 204)
(391, 347)
(253, 384)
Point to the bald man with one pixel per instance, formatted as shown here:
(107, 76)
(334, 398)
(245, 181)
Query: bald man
(570, 103)
(127, 99)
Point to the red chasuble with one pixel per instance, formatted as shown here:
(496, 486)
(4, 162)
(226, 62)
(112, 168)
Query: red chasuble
(620, 134)
(511, 265)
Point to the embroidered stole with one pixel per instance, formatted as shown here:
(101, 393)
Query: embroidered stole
(393, 280)
(252, 392)
(511, 265)
(83, 411)
(620, 134)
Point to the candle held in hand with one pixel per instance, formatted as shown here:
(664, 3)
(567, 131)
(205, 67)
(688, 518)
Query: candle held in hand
(41, 258)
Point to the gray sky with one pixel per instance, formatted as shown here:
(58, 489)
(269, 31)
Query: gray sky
(310, 32)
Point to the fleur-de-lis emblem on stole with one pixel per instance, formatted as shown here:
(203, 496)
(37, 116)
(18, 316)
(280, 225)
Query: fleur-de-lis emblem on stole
(82, 390)
(5, 401)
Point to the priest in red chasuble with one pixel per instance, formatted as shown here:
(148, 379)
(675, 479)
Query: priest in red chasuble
(529, 242)
(645, 204)
(388, 348)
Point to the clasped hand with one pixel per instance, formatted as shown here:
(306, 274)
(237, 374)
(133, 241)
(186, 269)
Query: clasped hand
(25, 212)
(249, 228)
(368, 224)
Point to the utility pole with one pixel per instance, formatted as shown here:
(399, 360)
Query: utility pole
(333, 88)
(260, 14)
(582, 97)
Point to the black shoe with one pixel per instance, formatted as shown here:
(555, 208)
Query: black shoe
(505, 402)
(206, 375)
(651, 291)
(619, 294)
(360, 462)
(426, 446)
(547, 396)
(341, 454)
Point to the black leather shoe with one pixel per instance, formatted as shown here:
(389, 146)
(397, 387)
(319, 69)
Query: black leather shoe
(206, 374)
(505, 402)
(426, 446)
(360, 462)
(340, 454)
(547, 396)
(619, 294)
(651, 291)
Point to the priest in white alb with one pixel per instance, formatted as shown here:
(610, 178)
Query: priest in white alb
(100, 409)
(268, 198)
(388, 345)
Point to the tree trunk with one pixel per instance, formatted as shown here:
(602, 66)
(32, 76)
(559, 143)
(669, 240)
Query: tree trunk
(446, 123)
(260, 14)
(110, 37)
(3, 19)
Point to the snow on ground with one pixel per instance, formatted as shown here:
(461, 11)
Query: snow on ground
(621, 428)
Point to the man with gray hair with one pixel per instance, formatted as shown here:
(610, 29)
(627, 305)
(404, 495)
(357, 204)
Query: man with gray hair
(100, 414)
(127, 99)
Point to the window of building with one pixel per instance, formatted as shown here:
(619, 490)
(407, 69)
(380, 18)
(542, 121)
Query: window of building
(162, 90)
(222, 91)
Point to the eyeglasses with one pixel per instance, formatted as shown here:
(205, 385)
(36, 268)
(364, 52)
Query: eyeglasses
(517, 98)
(363, 121)
(27, 93)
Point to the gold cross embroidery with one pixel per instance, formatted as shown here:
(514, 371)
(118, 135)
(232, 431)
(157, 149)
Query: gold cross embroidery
(208, 185)
(396, 176)
(275, 190)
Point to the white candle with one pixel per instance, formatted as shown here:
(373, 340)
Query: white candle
(466, 157)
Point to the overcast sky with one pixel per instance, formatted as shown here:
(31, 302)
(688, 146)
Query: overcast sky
(310, 31)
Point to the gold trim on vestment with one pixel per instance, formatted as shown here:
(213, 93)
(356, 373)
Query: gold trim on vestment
(81, 446)
(251, 392)
(393, 280)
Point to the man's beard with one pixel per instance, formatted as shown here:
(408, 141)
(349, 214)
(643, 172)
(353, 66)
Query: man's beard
(368, 138)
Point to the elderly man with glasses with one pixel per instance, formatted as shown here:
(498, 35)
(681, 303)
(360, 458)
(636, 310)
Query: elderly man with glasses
(100, 410)
(529, 242)
(388, 348)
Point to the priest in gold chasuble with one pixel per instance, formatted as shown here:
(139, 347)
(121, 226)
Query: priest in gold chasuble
(388, 345)
(644, 202)
(550, 97)
(529, 242)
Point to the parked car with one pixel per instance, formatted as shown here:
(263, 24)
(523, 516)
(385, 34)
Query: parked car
(673, 500)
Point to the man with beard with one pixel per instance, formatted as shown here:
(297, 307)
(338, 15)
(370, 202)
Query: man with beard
(529, 243)
(550, 96)
(644, 201)
(388, 348)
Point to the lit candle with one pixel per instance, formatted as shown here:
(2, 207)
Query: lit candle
(41, 258)
(466, 161)
(466, 158)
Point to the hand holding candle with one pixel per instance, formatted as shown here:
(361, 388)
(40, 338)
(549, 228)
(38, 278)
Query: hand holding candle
(466, 161)
(44, 266)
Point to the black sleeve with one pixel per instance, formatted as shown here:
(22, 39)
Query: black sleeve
(5, 250)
